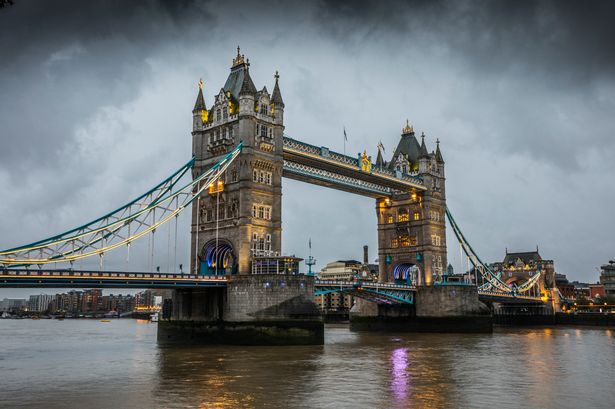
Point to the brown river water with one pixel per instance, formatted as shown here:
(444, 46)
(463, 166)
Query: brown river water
(92, 364)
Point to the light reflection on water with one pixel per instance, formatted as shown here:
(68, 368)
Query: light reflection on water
(86, 363)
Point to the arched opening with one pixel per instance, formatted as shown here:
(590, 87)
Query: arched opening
(218, 260)
(406, 273)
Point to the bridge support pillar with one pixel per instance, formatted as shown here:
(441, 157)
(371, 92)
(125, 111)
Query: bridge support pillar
(439, 308)
(252, 310)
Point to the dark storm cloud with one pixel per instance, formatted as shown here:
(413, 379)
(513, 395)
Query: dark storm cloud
(534, 49)
(572, 40)
(77, 57)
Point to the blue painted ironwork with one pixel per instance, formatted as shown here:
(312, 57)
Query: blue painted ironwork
(336, 178)
(123, 226)
(325, 154)
(381, 293)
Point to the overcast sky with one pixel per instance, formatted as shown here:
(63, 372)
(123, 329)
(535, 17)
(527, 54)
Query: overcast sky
(96, 100)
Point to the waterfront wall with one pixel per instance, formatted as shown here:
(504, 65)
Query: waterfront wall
(436, 309)
(252, 310)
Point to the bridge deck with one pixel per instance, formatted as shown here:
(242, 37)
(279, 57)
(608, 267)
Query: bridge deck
(63, 278)
(103, 279)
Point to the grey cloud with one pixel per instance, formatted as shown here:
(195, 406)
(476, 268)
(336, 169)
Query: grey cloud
(96, 100)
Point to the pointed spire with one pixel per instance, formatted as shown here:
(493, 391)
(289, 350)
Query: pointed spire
(276, 97)
(379, 160)
(199, 105)
(247, 86)
(423, 149)
(439, 158)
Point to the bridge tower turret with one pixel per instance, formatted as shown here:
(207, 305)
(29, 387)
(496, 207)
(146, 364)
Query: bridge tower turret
(411, 230)
(240, 217)
(431, 170)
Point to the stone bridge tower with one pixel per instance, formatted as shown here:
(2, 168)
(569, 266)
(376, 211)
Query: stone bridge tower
(240, 217)
(411, 226)
(236, 225)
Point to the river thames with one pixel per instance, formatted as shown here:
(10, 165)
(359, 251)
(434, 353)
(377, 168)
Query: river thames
(93, 364)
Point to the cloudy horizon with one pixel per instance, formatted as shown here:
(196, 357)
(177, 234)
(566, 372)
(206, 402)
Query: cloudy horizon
(97, 97)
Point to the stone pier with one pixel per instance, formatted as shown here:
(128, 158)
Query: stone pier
(438, 308)
(252, 310)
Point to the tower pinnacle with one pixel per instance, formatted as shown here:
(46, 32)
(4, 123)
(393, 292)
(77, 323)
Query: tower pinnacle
(439, 158)
(408, 129)
(239, 60)
(423, 149)
(276, 96)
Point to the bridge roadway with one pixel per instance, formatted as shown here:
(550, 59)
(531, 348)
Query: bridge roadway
(67, 278)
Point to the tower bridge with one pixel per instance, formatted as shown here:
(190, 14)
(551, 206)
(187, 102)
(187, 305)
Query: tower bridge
(240, 286)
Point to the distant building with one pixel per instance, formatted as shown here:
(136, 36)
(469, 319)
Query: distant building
(517, 268)
(344, 270)
(340, 270)
(564, 286)
(40, 303)
(13, 304)
(91, 300)
(607, 278)
(596, 291)
(581, 290)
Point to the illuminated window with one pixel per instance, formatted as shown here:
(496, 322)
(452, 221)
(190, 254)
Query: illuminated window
(435, 240)
(413, 240)
(417, 215)
(405, 241)
(403, 216)
(394, 243)
(390, 219)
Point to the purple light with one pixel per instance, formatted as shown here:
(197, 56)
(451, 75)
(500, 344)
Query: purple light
(399, 373)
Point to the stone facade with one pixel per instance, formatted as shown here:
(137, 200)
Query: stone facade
(517, 268)
(242, 215)
(411, 226)
(607, 278)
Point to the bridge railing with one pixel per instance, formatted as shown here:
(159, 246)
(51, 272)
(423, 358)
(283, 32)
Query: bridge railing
(365, 284)
(507, 295)
(104, 274)
(325, 153)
